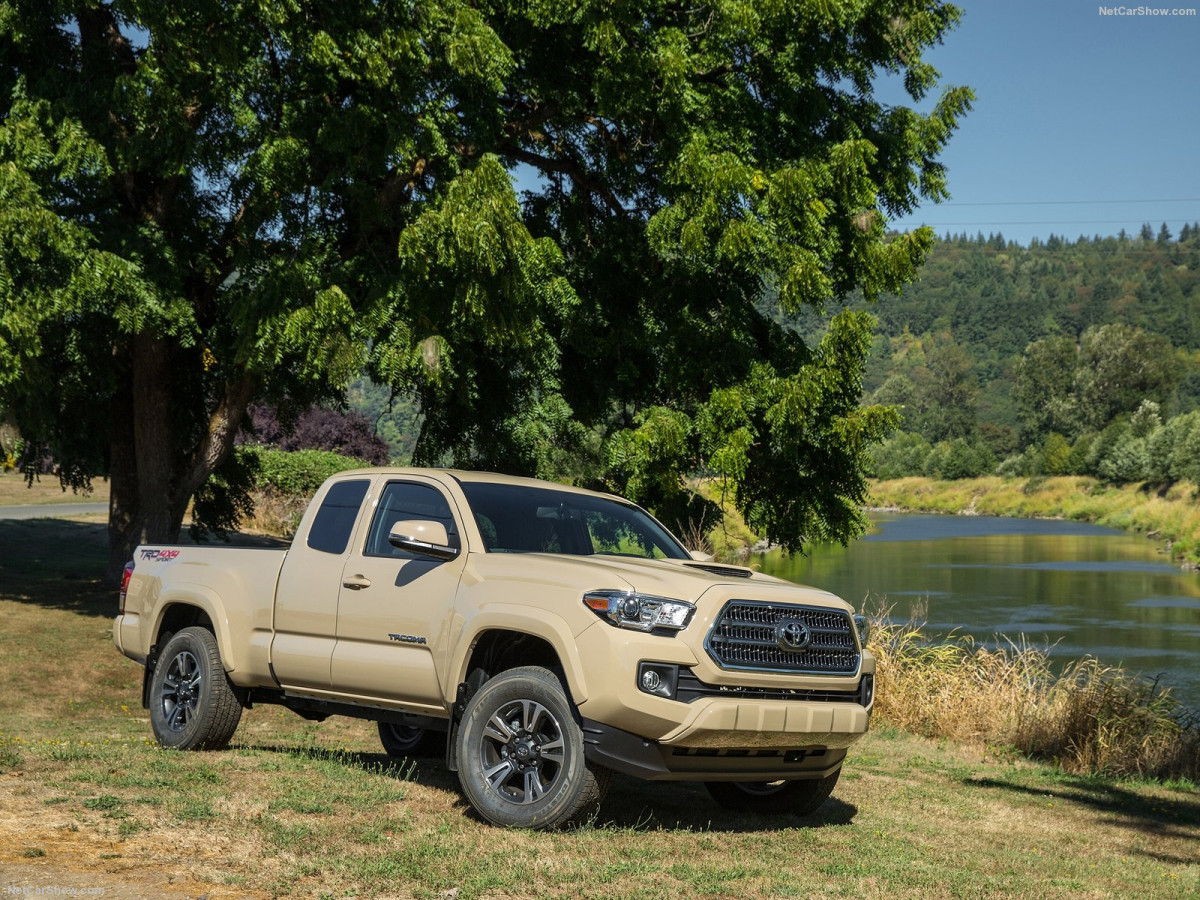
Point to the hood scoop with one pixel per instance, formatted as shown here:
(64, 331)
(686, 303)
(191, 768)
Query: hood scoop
(716, 569)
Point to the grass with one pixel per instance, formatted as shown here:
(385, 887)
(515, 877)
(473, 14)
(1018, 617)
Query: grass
(301, 809)
(14, 491)
(1171, 515)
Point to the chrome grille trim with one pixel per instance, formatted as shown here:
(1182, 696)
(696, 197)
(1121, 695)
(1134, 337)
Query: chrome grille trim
(690, 689)
(743, 637)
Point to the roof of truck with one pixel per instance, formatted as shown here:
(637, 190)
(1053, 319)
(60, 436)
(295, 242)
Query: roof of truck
(472, 477)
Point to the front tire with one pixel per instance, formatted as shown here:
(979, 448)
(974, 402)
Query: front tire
(520, 753)
(799, 798)
(192, 703)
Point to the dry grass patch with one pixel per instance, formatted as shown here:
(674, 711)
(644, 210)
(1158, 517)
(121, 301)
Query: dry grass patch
(1090, 719)
(14, 491)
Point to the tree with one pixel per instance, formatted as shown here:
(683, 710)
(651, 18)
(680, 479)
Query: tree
(946, 395)
(205, 203)
(1119, 368)
(1045, 388)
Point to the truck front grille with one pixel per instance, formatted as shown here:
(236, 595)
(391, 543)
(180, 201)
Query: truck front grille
(780, 637)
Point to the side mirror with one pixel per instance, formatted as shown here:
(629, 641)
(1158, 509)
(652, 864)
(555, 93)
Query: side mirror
(701, 556)
(422, 537)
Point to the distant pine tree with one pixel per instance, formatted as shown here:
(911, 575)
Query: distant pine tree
(1164, 234)
(1147, 232)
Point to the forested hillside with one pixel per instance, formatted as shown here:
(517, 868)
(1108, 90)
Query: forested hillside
(1002, 350)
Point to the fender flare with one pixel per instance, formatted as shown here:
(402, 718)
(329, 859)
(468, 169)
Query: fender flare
(206, 600)
(521, 620)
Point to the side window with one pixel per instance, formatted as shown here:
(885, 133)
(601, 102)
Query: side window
(330, 532)
(405, 500)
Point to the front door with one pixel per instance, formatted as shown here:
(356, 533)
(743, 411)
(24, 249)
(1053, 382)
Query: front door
(393, 618)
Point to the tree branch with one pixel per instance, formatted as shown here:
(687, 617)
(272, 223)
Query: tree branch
(570, 168)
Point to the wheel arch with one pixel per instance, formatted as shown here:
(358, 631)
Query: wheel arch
(195, 606)
(502, 639)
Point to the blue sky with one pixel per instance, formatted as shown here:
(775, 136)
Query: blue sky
(1071, 106)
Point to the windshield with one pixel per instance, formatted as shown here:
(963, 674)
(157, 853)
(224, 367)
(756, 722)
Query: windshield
(518, 519)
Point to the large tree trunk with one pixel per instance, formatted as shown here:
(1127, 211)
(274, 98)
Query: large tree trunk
(152, 480)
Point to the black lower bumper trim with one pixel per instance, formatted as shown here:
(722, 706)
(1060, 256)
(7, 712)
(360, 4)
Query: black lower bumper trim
(632, 755)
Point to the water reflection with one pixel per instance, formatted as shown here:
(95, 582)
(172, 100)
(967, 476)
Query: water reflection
(1076, 588)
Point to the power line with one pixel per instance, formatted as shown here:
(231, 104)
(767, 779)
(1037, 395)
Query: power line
(1062, 202)
(1051, 222)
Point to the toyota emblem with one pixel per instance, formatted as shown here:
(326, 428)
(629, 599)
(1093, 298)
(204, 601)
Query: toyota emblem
(793, 636)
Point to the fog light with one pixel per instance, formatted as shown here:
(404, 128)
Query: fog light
(866, 690)
(659, 679)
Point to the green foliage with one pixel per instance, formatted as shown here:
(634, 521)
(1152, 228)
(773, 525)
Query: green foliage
(901, 455)
(297, 473)
(958, 459)
(1056, 456)
(216, 202)
(225, 498)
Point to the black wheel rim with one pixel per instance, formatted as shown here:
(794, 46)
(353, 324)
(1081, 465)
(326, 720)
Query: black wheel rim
(405, 736)
(181, 691)
(522, 752)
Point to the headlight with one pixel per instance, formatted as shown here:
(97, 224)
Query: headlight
(627, 609)
(864, 629)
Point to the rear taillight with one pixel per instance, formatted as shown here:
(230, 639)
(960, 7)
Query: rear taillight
(125, 584)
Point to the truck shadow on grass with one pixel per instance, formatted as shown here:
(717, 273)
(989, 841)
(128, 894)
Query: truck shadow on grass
(630, 805)
(1162, 816)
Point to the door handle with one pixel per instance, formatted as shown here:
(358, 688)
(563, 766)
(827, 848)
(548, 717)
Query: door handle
(357, 582)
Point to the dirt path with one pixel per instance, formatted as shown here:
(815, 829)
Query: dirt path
(47, 852)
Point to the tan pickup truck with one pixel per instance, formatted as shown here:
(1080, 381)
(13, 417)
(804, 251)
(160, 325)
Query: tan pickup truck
(543, 635)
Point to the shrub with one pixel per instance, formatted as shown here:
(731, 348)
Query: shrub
(347, 433)
(900, 456)
(1088, 719)
(299, 472)
(1125, 460)
(958, 459)
(1056, 455)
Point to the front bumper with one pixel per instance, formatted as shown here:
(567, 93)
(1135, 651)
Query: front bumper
(654, 761)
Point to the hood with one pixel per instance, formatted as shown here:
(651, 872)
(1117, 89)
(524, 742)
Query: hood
(677, 579)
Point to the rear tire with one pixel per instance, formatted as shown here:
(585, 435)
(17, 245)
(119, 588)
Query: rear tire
(774, 798)
(410, 740)
(192, 702)
(521, 754)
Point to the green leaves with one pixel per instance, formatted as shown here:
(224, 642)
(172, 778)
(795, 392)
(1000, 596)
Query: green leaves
(217, 200)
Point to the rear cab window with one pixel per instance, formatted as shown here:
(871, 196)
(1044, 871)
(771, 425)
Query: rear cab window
(331, 528)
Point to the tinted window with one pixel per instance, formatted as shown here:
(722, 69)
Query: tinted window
(517, 519)
(405, 500)
(330, 532)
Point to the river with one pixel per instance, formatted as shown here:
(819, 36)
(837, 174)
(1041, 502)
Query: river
(1078, 589)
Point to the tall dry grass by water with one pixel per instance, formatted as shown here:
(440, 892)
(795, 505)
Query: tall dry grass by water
(1088, 718)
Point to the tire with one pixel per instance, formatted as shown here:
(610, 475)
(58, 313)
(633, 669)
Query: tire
(799, 798)
(410, 740)
(192, 703)
(520, 753)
